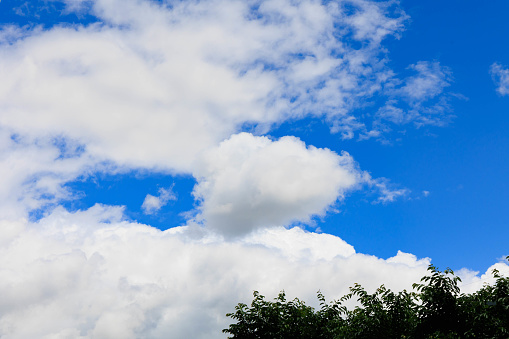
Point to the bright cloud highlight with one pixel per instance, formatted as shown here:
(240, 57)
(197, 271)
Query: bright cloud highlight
(252, 182)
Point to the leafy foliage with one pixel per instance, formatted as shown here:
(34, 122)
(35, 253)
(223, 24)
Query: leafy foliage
(383, 314)
(439, 312)
(487, 310)
(435, 309)
(283, 319)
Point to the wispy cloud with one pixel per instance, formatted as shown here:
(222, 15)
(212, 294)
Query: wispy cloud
(386, 190)
(33, 172)
(152, 204)
(420, 99)
(428, 83)
(500, 75)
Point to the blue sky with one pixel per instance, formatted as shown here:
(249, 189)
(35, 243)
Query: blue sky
(192, 130)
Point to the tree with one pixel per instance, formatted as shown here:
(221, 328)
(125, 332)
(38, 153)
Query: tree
(487, 310)
(383, 314)
(435, 310)
(280, 319)
(439, 312)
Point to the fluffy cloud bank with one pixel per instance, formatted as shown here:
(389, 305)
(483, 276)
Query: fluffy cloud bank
(91, 275)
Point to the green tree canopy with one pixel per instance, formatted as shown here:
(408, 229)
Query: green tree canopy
(435, 309)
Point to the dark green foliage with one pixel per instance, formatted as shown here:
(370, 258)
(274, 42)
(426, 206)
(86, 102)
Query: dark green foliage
(487, 310)
(281, 319)
(439, 312)
(383, 314)
(434, 310)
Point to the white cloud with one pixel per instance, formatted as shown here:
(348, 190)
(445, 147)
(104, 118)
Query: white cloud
(500, 76)
(421, 98)
(250, 182)
(73, 275)
(155, 85)
(471, 281)
(299, 245)
(76, 6)
(430, 81)
(387, 194)
(33, 172)
(153, 204)
(370, 23)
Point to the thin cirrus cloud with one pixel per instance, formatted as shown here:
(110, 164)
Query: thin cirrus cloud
(419, 99)
(500, 75)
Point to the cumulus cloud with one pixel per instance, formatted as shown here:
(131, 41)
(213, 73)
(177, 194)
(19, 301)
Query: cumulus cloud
(81, 275)
(297, 244)
(89, 274)
(249, 182)
(152, 203)
(471, 281)
(157, 86)
(500, 76)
